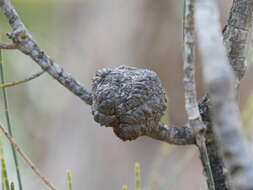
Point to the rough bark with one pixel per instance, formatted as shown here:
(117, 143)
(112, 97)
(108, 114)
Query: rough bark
(236, 34)
(216, 161)
(219, 79)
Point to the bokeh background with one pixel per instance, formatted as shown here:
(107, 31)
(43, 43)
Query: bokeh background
(56, 128)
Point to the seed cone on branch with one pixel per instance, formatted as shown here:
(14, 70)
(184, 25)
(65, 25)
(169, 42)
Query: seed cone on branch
(129, 100)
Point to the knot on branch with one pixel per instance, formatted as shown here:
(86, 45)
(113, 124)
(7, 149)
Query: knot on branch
(129, 100)
(18, 36)
(22, 39)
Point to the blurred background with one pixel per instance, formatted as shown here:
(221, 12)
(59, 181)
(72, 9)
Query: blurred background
(56, 128)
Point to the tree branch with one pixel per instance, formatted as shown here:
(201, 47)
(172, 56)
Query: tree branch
(7, 46)
(24, 42)
(236, 35)
(178, 135)
(191, 104)
(216, 160)
(219, 80)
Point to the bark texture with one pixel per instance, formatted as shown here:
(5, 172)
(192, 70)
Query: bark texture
(191, 104)
(219, 79)
(236, 35)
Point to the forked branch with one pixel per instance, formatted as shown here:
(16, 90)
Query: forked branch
(220, 80)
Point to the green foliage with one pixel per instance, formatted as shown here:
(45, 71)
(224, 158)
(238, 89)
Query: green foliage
(8, 121)
(5, 175)
(69, 180)
(6, 185)
(124, 187)
(40, 23)
(12, 186)
(137, 176)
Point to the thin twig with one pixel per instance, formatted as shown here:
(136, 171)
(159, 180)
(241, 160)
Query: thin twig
(11, 84)
(26, 159)
(191, 103)
(7, 46)
(7, 116)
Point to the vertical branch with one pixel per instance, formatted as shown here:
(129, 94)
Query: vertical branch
(219, 80)
(216, 161)
(6, 108)
(236, 35)
(191, 103)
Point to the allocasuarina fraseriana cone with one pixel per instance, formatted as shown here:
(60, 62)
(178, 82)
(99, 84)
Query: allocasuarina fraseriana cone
(129, 100)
